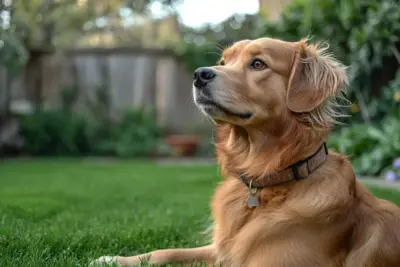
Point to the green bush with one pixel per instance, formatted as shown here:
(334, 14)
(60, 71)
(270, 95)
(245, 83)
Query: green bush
(63, 133)
(137, 134)
(100, 135)
(388, 103)
(56, 132)
(371, 148)
(100, 127)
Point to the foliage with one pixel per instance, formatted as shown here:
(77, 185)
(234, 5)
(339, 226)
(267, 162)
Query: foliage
(100, 128)
(68, 133)
(137, 134)
(56, 132)
(388, 103)
(37, 23)
(13, 54)
(371, 148)
(63, 133)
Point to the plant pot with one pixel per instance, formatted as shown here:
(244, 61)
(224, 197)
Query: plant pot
(183, 145)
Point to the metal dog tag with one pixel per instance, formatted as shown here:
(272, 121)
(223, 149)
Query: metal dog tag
(252, 199)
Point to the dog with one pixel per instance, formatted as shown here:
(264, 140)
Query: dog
(285, 200)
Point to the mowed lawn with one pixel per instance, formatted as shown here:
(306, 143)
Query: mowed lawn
(66, 212)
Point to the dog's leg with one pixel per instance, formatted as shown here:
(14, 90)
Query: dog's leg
(200, 255)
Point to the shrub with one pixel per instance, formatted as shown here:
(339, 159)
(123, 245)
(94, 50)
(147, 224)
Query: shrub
(100, 127)
(137, 134)
(388, 103)
(371, 148)
(64, 133)
(56, 132)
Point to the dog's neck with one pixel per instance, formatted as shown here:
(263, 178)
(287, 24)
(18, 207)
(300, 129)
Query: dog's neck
(259, 151)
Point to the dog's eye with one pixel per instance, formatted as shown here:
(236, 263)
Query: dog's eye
(221, 62)
(258, 64)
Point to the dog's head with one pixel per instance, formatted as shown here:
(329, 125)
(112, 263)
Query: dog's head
(264, 79)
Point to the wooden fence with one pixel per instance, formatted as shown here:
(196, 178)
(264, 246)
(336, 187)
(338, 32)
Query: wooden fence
(135, 77)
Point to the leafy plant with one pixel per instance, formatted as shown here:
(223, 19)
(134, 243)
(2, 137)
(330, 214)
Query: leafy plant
(94, 132)
(100, 129)
(63, 133)
(137, 134)
(370, 147)
(388, 103)
(52, 132)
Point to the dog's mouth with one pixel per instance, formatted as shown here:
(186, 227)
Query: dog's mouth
(208, 103)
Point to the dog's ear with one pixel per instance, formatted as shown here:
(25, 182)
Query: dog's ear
(314, 77)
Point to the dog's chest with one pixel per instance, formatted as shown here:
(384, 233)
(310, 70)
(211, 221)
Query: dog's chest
(234, 220)
(244, 236)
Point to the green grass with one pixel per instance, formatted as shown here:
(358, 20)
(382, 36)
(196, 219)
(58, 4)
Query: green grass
(66, 212)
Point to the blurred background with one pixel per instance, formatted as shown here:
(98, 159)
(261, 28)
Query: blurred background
(112, 78)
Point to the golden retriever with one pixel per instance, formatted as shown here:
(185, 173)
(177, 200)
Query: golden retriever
(285, 200)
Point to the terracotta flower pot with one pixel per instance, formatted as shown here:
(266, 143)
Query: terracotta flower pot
(183, 145)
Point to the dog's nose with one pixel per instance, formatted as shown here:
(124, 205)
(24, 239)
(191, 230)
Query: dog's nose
(203, 75)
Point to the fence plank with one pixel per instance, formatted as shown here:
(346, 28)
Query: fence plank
(135, 78)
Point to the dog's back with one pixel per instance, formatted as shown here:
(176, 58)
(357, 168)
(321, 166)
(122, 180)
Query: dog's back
(375, 240)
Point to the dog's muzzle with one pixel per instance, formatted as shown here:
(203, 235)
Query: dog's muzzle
(203, 76)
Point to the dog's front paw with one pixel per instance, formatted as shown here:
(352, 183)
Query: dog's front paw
(104, 261)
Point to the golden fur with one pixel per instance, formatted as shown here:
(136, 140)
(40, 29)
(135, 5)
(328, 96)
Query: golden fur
(328, 219)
